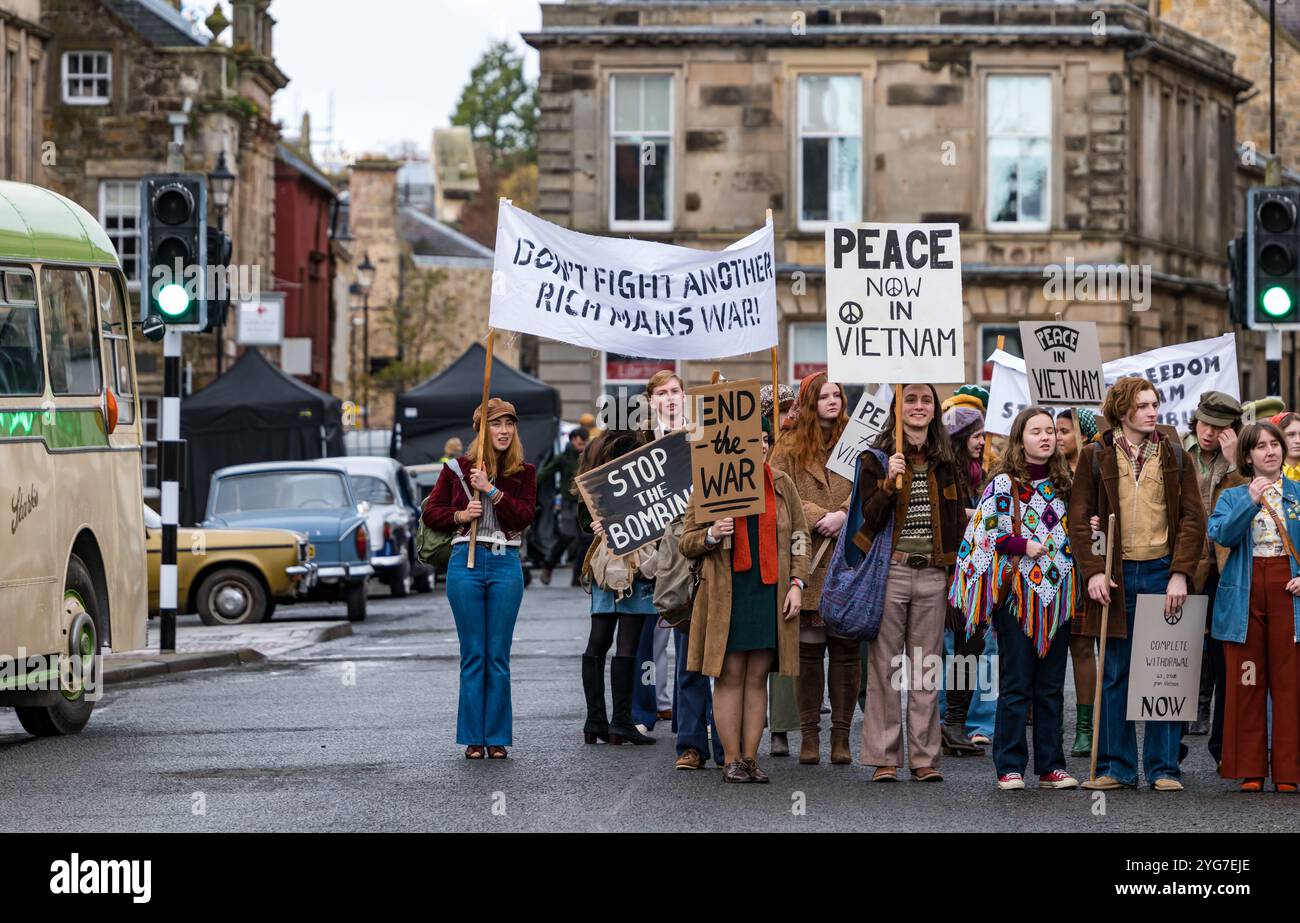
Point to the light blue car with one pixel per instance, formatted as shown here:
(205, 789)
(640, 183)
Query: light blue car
(313, 498)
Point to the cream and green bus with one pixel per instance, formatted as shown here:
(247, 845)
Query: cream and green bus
(72, 536)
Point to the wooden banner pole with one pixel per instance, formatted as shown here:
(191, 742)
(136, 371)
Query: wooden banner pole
(776, 400)
(483, 437)
(898, 429)
(1101, 655)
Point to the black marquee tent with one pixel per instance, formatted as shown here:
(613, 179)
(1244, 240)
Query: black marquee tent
(443, 406)
(254, 412)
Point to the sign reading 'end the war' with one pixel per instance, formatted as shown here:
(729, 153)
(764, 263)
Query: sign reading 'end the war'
(1063, 360)
(636, 496)
(727, 451)
(893, 303)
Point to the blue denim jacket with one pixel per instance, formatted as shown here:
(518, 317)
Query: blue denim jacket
(1230, 527)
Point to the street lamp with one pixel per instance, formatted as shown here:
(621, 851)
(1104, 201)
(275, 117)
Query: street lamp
(221, 183)
(366, 279)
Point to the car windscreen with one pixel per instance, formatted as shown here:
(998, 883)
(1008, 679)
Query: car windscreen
(280, 490)
(373, 490)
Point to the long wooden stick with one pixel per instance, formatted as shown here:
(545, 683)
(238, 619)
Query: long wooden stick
(482, 438)
(1101, 656)
(898, 429)
(776, 399)
(988, 441)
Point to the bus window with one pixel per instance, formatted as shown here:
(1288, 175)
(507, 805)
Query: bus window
(116, 345)
(71, 344)
(21, 372)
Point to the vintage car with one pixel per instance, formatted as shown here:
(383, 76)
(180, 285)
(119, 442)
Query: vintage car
(394, 514)
(231, 576)
(314, 498)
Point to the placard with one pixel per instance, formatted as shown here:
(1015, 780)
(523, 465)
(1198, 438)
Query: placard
(868, 421)
(1063, 361)
(633, 297)
(893, 303)
(637, 495)
(726, 440)
(1164, 674)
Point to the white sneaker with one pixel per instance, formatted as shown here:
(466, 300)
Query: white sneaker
(1011, 782)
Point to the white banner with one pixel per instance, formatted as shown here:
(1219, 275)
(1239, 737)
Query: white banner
(1180, 374)
(893, 303)
(868, 419)
(633, 297)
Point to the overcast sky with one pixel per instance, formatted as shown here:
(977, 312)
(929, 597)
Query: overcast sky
(395, 67)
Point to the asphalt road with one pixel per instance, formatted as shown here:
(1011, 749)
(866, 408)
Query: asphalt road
(358, 734)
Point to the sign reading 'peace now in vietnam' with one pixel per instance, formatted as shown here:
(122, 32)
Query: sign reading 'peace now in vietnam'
(893, 303)
(1063, 360)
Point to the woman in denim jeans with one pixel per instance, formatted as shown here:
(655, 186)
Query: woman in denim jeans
(485, 599)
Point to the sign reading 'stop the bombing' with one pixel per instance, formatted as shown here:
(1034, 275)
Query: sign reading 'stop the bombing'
(638, 495)
(893, 303)
(633, 297)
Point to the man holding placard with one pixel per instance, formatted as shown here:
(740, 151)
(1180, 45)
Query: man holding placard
(1140, 473)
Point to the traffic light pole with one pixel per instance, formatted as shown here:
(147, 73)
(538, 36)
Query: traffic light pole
(169, 447)
(1273, 356)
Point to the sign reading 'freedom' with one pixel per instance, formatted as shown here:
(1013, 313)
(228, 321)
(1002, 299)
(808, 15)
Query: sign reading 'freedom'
(893, 303)
(632, 297)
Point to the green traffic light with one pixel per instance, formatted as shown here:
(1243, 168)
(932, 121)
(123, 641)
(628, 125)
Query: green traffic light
(1276, 301)
(173, 300)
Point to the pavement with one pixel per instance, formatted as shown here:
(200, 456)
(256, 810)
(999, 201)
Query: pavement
(358, 734)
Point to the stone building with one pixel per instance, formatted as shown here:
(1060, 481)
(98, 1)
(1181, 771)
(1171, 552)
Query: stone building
(1046, 130)
(120, 72)
(22, 82)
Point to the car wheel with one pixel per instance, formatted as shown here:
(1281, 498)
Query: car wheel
(231, 596)
(400, 583)
(356, 596)
(70, 714)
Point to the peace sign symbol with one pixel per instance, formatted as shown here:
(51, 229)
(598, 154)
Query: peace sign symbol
(851, 313)
(1173, 618)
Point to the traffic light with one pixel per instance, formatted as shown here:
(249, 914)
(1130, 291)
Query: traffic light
(1237, 280)
(219, 252)
(174, 251)
(1273, 257)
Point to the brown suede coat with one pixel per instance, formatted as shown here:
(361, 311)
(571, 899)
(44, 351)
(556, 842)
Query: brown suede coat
(1184, 511)
(948, 504)
(711, 615)
(820, 492)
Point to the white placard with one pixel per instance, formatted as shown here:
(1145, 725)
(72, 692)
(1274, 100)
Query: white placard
(893, 303)
(295, 355)
(1063, 360)
(1164, 673)
(261, 320)
(866, 423)
(1180, 374)
(633, 297)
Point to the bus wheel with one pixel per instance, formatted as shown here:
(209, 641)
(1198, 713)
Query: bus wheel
(231, 596)
(356, 596)
(70, 714)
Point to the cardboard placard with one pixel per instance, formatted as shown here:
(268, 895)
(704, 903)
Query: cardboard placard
(637, 495)
(868, 420)
(1063, 360)
(894, 308)
(727, 451)
(1164, 674)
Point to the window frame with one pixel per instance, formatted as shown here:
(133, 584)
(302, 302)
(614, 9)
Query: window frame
(64, 76)
(1006, 328)
(791, 337)
(149, 448)
(669, 137)
(42, 298)
(1049, 187)
(813, 225)
(110, 343)
(132, 285)
(31, 271)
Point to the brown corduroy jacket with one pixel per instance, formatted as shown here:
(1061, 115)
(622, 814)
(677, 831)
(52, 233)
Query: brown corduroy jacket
(948, 504)
(1184, 512)
(711, 614)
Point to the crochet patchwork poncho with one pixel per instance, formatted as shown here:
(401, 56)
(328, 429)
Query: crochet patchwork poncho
(1042, 589)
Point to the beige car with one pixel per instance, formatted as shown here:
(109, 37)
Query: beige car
(231, 576)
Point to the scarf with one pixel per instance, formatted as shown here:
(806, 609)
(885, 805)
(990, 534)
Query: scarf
(1140, 454)
(741, 558)
(1043, 590)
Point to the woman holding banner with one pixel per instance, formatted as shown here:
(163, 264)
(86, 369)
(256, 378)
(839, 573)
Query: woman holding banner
(929, 516)
(485, 599)
(609, 611)
(1016, 572)
(802, 453)
(745, 612)
(1257, 614)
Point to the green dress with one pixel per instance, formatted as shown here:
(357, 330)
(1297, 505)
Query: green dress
(753, 603)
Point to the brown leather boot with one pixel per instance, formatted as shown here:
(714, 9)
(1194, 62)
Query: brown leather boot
(842, 677)
(808, 697)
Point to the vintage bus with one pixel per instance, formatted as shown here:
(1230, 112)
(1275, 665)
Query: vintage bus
(72, 535)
